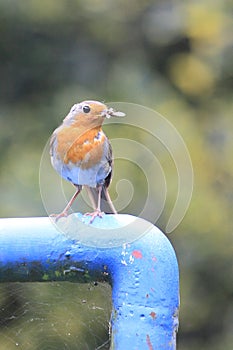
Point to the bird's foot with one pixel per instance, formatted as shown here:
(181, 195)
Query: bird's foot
(63, 214)
(94, 214)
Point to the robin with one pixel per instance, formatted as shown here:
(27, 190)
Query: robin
(82, 154)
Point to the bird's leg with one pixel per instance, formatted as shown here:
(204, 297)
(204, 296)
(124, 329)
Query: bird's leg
(99, 197)
(107, 195)
(64, 213)
(91, 197)
(97, 211)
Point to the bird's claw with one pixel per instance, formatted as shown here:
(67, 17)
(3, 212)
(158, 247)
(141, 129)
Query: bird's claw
(63, 214)
(94, 214)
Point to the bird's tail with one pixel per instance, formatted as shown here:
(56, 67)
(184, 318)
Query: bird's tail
(106, 204)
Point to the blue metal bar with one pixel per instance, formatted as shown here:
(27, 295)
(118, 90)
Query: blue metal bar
(134, 255)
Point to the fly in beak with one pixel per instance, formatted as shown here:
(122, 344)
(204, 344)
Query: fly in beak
(110, 112)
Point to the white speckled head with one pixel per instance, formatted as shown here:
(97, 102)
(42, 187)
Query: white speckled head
(89, 111)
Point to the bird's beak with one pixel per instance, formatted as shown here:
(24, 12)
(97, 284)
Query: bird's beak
(110, 112)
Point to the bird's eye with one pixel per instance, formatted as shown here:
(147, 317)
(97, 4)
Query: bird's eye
(86, 109)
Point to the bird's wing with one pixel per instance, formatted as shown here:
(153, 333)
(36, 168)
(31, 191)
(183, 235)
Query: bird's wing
(109, 158)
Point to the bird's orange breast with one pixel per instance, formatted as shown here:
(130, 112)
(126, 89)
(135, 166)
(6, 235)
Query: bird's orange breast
(82, 148)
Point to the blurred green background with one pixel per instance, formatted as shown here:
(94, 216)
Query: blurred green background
(172, 56)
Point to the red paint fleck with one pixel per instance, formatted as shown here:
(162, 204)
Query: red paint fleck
(137, 254)
(150, 347)
(154, 258)
(153, 315)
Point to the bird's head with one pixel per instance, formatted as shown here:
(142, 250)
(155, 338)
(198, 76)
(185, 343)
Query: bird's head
(90, 114)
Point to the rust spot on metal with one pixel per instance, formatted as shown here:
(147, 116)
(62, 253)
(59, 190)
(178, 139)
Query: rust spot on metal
(153, 315)
(137, 254)
(150, 346)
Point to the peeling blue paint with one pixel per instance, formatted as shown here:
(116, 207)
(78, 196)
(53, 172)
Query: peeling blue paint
(132, 254)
